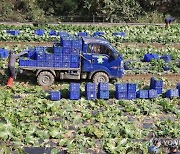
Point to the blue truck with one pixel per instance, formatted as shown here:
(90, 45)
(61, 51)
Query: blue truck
(73, 58)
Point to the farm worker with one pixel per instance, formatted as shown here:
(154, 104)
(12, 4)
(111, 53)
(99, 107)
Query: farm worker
(173, 149)
(96, 48)
(11, 66)
(168, 21)
(155, 148)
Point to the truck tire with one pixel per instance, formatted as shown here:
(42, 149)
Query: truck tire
(45, 78)
(100, 77)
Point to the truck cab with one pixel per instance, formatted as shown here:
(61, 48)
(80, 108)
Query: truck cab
(74, 58)
(100, 60)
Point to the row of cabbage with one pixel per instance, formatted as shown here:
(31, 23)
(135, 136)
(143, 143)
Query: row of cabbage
(141, 34)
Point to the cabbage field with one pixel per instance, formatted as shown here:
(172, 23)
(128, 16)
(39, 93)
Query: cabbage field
(29, 120)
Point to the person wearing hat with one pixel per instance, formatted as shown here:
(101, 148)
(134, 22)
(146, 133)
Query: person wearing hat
(155, 148)
(173, 149)
(11, 66)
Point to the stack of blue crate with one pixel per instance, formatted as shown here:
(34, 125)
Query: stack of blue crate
(103, 90)
(55, 95)
(74, 91)
(121, 91)
(63, 34)
(143, 94)
(13, 32)
(152, 93)
(157, 85)
(178, 87)
(3, 53)
(131, 91)
(39, 32)
(172, 93)
(149, 56)
(90, 91)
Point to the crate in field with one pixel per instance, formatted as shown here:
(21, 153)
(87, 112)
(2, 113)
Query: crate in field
(55, 95)
(143, 94)
(156, 83)
(90, 87)
(4, 53)
(131, 95)
(74, 95)
(39, 32)
(91, 95)
(121, 87)
(103, 86)
(52, 33)
(152, 93)
(172, 93)
(13, 32)
(149, 56)
(103, 94)
(98, 33)
(121, 95)
(131, 87)
(74, 87)
(166, 58)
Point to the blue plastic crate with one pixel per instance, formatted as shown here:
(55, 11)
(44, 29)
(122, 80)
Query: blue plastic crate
(75, 51)
(122, 34)
(90, 87)
(178, 86)
(67, 50)
(74, 95)
(23, 62)
(57, 64)
(77, 44)
(58, 58)
(159, 90)
(131, 95)
(48, 64)
(13, 32)
(121, 87)
(66, 64)
(63, 34)
(91, 95)
(103, 86)
(152, 93)
(142, 94)
(98, 34)
(32, 62)
(74, 65)
(49, 57)
(156, 83)
(82, 34)
(52, 33)
(41, 57)
(75, 58)
(66, 42)
(166, 58)
(4, 53)
(55, 95)
(172, 93)
(131, 87)
(103, 94)
(32, 55)
(40, 63)
(148, 57)
(121, 95)
(57, 49)
(74, 87)
(66, 58)
(39, 32)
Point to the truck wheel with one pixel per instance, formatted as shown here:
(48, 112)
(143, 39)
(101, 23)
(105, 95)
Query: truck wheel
(100, 77)
(45, 78)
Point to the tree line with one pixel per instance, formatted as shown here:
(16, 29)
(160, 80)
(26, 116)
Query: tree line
(118, 10)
